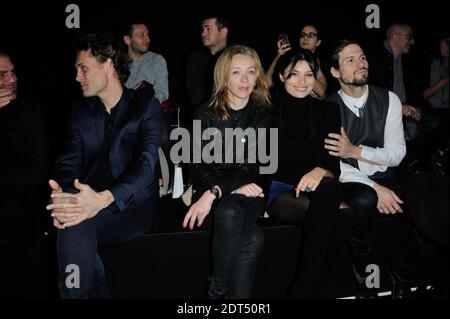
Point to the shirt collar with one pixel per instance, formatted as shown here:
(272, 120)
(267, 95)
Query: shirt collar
(355, 104)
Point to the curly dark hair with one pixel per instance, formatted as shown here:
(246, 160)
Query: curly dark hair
(104, 46)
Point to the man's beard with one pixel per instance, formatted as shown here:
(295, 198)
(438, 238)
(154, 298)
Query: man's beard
(140, 50)
(356, 82)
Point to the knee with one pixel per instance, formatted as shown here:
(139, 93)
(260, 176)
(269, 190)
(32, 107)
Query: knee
(228, 211)
(329, 187)
(78, 231)
(365, 199)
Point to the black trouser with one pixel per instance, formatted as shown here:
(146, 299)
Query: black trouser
(237, 243)
(427, 246)
(363, 200)
(318, 225)
(78, 256)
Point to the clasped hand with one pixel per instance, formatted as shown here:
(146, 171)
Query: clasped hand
(71, 209)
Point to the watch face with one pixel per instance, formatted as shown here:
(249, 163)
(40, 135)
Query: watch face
(214, 191)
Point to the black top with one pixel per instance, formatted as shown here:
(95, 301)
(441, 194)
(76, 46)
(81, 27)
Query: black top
(303, 125)
(414, 74)
(103, 177)
(229, 175)
(200, 76)
(23, 166)
(23, 145)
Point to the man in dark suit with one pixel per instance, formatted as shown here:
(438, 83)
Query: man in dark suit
(104, 188)
(23, 173)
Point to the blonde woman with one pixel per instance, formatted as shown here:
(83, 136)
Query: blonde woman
(229, 194)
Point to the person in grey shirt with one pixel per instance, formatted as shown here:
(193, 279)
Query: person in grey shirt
(147, 68)
(437, 92)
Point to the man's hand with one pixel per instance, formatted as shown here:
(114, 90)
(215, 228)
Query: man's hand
(249, 190)
(411, 111)
(199, 210)
(310, 180)
(6, 96)
(388, 201)
(84, 205)
(340, 146)
(62, 216)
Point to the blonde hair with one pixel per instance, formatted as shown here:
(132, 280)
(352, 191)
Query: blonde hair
(222, 71)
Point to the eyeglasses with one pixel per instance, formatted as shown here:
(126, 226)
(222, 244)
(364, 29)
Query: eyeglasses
(310, 35)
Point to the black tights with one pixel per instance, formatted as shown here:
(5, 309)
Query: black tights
(318, 219)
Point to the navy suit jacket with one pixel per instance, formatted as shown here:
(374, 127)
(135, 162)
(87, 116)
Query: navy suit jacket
(133, 152)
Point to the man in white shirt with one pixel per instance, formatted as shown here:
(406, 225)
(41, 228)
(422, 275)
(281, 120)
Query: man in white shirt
(371, 145)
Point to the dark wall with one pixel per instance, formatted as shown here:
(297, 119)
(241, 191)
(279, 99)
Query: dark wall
(40, 44)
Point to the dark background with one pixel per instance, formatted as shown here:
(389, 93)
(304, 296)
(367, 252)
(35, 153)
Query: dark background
(40, 45)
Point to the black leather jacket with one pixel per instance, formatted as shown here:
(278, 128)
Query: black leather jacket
(229, 176)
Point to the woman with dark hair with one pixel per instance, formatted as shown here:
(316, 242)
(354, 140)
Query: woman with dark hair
(305, 190)
(226, 189)
(309, 39)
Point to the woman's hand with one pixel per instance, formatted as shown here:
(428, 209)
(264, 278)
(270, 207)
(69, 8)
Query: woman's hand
(310, 181)
(282, 48)
(199, 210)
(249, 190)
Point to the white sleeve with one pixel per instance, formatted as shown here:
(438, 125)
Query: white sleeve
(351, 174)
(394, 142)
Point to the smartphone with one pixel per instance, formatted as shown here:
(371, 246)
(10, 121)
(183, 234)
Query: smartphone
(284, 38)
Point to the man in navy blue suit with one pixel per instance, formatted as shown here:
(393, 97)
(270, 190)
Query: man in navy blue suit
(103, 188)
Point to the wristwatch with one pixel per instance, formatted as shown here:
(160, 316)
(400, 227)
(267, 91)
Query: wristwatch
(215, 191)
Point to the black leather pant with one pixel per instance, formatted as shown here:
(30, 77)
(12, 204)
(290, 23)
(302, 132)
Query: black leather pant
(237, 243)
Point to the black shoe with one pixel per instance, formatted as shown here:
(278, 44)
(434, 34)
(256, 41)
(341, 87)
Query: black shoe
(362, 291)
(296, 292)
(211, 293)
(214, 296)
(400, 287)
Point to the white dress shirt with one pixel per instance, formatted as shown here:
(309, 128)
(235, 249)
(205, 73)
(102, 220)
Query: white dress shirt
(393, 150)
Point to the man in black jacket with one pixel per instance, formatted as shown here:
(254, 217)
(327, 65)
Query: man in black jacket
(23, 170)
(106, 171)
(200, 63)
(393, 68)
